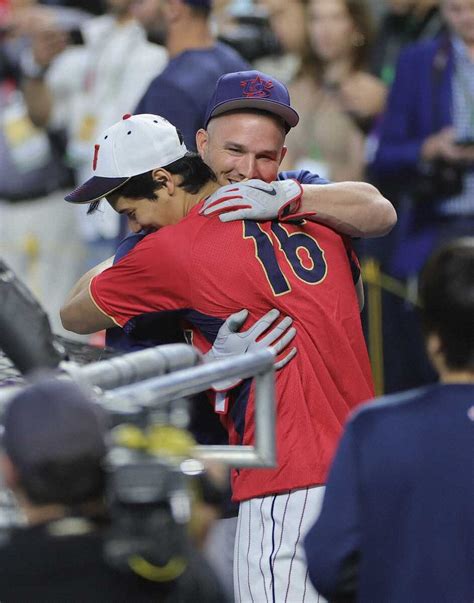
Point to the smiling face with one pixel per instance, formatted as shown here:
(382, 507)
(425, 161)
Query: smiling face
(142, 214)
(149, 215)
(242, 145)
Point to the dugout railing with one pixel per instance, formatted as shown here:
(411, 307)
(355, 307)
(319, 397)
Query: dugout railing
(150, 381)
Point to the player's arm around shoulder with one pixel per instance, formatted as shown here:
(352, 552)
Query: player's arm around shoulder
(357, 209)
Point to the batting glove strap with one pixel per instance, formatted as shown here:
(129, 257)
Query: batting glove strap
(253, 200)
(290, 211)
(291, 191)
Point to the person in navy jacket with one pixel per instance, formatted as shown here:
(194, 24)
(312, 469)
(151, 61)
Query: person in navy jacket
(424, 160)
(429, 122)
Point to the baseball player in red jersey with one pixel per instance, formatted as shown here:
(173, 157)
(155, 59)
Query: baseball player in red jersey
(206, 270)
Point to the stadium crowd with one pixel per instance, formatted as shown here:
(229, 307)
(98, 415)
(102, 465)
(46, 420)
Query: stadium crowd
(383, 94)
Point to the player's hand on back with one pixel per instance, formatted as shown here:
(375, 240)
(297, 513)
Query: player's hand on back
(254, 200)
(262, 334)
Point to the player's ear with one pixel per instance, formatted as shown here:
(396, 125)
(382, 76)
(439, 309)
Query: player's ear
(202, 138)
(283, 153)
(164, 179)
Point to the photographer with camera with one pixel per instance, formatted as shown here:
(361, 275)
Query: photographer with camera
(54, 449)
(426, 150)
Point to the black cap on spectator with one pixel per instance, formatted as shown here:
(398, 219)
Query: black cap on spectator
(52, 420)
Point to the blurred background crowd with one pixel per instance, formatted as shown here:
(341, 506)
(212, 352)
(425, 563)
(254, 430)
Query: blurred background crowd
(384, 89)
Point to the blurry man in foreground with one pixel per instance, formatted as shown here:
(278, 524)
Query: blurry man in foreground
(53, 460)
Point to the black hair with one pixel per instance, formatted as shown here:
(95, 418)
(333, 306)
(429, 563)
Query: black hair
(68, 483)
(192, 169)
(447, 299)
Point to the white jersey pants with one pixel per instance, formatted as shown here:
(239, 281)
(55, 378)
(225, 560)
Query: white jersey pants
(269, 560)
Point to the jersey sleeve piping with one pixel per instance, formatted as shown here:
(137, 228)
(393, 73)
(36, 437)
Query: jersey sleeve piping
(97, 305)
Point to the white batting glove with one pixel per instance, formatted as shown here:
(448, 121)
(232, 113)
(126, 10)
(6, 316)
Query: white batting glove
(230, 342)
(254, 200)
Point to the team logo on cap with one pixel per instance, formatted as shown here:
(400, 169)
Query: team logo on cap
(256, 88)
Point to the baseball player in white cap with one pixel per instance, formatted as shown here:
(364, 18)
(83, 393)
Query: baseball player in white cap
(206, 270)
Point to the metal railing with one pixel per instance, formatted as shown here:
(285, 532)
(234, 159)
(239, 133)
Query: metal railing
(135, 366)
(376, 282)
(149, 380)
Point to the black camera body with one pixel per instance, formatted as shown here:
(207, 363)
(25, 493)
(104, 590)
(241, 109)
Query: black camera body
(437, 180)
(252, 37)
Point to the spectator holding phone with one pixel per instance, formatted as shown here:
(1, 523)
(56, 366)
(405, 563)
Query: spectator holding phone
(432, 123)
(425, 150)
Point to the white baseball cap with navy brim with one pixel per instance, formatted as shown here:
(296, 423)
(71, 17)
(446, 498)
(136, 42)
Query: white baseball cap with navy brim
(134, 145)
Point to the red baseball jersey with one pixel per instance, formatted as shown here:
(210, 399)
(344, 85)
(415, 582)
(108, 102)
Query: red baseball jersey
(205, 270)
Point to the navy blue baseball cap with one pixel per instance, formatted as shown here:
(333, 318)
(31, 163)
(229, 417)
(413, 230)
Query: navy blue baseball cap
(52, 420)
(251, 90)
